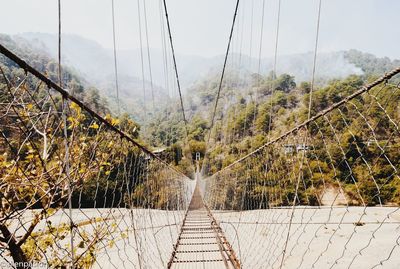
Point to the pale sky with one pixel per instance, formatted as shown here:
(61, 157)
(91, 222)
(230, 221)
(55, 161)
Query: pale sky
(201, 27)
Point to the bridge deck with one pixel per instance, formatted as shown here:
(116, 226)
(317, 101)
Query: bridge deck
(202, 243)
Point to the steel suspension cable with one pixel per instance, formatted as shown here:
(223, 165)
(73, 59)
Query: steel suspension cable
(142, 61)
(314, 59)
(259, 65)
(221, 80)
(274, 66)
(305, 135)
(251, 32)
(175, 66)
(148, 53)
(165, 66)
(59, 44)
(261, 44)
(178, 83)
(115, 57)
(65, 132)
(277, 37)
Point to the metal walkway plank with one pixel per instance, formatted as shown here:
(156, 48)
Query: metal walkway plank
(201, 242)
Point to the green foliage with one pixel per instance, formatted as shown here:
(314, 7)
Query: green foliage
(197, 128)
(284, 83)
(197, 146)
(369, 63)
(343, 143)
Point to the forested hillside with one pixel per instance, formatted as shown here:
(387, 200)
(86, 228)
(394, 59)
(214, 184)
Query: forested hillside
(95, 64)
(369, 63)
(253, 111)
(43, 62)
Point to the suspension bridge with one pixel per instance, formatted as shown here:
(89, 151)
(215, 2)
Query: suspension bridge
(78, 191)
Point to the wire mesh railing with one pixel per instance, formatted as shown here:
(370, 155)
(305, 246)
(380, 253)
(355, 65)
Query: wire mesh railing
(323, 194)
(77, 190)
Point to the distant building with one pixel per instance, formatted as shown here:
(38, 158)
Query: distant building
(290, 148)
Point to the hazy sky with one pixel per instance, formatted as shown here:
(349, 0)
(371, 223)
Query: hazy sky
(201, 27)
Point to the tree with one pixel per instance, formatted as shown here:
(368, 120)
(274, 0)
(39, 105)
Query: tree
(263, 121)
(128, 125)
(197, 128)
(305, 87)
(285, 83)
(197, 146)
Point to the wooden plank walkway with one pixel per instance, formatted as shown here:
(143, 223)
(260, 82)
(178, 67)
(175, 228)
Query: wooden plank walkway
(201, 242)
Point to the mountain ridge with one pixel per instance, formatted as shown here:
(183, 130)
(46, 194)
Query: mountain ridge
(95, 64)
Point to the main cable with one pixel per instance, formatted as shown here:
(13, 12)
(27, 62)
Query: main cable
(221, 80)
(178, 84)
(175, 66)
